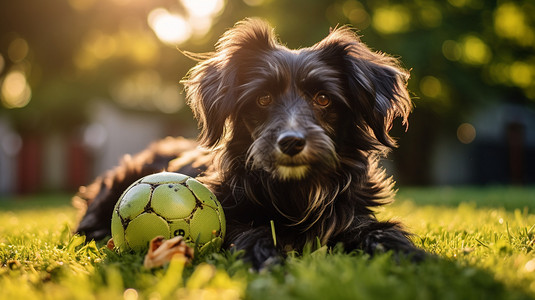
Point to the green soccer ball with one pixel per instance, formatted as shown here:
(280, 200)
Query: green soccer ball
(167, 204)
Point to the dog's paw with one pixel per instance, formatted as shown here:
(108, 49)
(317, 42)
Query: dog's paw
(268, 265)
(264, 255)
(383, 241)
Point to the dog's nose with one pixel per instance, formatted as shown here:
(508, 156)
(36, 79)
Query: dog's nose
(291, 143)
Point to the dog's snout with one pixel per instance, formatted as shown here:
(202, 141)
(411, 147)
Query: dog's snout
(291, 143)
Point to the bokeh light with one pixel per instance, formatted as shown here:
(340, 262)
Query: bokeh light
(101, 45)
(430, 86)
(466, 133)
(142, 46)
(130, 294)
(137, 45)
(169, 28)
(18, 50)
(430, 16)
(145, 90)
(15, 91)
(356, 14)
(174, 28)
(451, 50)
(522, 74)
(510, 22)
(391, 19)
(203, 8)
(475, 50)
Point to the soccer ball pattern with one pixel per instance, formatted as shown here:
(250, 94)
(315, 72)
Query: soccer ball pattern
(166, 204)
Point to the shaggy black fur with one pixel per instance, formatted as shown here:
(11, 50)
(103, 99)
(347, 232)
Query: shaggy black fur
(294, 137)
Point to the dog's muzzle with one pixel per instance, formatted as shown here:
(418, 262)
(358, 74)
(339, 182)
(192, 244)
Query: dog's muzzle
(291, 143)
(292, 163)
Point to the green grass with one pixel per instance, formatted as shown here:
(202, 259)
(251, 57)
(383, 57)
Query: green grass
(483, 237)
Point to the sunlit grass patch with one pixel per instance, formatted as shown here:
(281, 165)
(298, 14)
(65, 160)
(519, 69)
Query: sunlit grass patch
(484, 249)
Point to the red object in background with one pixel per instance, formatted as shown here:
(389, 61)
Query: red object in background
(516, 143)
(30, 165)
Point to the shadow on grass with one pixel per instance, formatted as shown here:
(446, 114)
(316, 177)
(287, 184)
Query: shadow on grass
(327, 275)
(356, 276)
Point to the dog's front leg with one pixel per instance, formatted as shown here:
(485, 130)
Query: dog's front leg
(374, 237)
(258, 244)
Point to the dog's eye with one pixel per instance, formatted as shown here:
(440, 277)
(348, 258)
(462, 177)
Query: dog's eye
(264, 100)
(322, 100)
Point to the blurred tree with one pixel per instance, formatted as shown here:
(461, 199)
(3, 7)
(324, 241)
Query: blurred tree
(71, 52)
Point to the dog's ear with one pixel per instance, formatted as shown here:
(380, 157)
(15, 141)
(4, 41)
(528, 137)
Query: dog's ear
(376, 84)
(212, 86)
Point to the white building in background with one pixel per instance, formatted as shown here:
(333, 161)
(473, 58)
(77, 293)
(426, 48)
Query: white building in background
(115, 132)
(57, 162)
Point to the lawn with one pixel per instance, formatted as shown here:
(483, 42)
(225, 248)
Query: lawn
(483, 238)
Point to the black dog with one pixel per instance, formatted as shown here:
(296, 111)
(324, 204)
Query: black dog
(294, 136)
